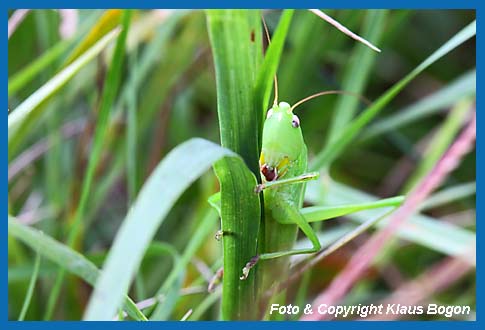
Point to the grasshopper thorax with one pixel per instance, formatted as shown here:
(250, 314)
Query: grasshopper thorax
(282, 141)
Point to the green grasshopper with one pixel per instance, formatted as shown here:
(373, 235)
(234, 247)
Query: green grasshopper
(283, 167)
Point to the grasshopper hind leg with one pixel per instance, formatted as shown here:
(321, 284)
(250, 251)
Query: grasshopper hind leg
(284, 212)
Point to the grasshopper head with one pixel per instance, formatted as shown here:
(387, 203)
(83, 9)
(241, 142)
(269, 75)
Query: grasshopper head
(282, 141)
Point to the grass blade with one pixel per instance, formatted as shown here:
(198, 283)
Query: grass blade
(131, 130)
(449, 195)
(20, 79)
(107, 22)
(440, 142)
(440, 236)
(26, 111)
(30, 290)
(463, 86)
(170, 296)
(236, 46)
(357, 72)
(65, 257)
(344, 29)
(50, 56)
(109, 92)
(331, 151)
(110, 89)
(271, 61)
(195, 157)
(205, 228)
(201, 308)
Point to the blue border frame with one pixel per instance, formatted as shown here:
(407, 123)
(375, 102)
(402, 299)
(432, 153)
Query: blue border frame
(342, 4)
(193, 4)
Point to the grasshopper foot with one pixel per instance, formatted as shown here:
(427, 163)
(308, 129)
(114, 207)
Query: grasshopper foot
(251, 263)
(218, 235)
(259, 188)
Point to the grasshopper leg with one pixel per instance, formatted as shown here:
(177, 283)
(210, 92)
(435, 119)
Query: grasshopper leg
(281, 182)
(282, 211)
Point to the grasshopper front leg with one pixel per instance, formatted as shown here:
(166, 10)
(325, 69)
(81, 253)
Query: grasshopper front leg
(294, 180)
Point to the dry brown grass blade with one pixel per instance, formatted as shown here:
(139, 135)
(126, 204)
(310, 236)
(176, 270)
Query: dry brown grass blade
(343, 29)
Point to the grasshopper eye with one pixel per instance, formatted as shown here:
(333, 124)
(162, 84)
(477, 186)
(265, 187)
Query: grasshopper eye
(295, 122)
(269, 113)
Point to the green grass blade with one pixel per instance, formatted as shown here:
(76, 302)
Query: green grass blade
(151, 55)
(107, 22)
(448, 195)
(331, 151)
(110, 89)
(26, 111)
(17, 274)
(236, 47)
(201, 308)
(155, 199)
(64, 256)
(264, 81)
(215, 202)
(240, 214)
(109, 93)
(319, 213)
(463, 86)
(20, 79)
(171, 294)
(30, 290)
(437, 235)
(206, 227)
(440, 142)
(131, 130)
(129, 98)
(357, 72)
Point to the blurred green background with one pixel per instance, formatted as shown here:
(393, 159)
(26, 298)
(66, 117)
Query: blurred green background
(167, 94)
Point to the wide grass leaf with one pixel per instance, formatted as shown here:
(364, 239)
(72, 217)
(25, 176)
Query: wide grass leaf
(235, 37)
(172, 176)
(65, 257)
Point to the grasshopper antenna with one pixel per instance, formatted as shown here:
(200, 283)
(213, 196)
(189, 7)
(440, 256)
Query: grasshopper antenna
(308, 98)
(275, 102)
